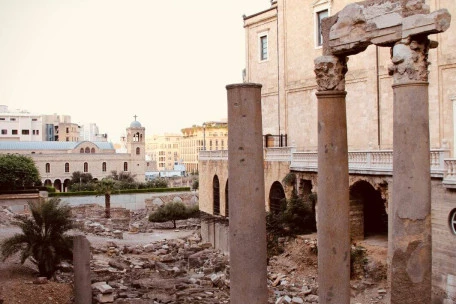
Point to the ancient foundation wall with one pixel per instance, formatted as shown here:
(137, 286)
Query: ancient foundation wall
(208, 169)
(216, 233)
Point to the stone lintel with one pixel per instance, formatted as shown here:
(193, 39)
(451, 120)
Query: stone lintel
(379, 22)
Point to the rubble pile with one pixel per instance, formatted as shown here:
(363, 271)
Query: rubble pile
(6, 216)
(168, 271)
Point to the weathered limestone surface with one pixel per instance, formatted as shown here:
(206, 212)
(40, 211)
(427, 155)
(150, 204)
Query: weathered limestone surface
(333, 195)
(404, 26)
(246, 196)
(81, 262)
(382, 23)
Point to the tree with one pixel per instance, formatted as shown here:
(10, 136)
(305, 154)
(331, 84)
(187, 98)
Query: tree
(43, 239)
(80, 177)
(173, 211)
(125, 177)
(105, 187)
(18, 171)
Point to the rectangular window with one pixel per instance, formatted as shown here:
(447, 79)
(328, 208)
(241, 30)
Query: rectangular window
(264, 47)
(4, 131)
(12, 119)
(320, 15)
(14, 132)
(34, 119)
(25, 132)
(2, 118)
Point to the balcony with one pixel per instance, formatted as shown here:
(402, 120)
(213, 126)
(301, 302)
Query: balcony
(379, 162)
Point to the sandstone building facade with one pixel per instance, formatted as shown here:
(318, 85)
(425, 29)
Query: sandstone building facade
(56, 161)
(282, 43)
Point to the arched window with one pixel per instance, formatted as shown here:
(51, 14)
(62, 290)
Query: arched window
(138, 151)
(48, 167)
(103, 166)
(125, 166)
(216, 195)
(87, 150)
(276, 197)
(92, 150)
(86, 167)
(82, 150)
(67, 167)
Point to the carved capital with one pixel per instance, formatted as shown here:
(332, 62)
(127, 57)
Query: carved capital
(330, 72)
(410, 60)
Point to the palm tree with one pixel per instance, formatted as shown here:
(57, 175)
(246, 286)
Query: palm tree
(43, 240)
(105, 187)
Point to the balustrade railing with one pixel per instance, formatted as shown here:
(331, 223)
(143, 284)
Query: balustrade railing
(213, 155)
(450, 172)
(366, 162)
(278, 154)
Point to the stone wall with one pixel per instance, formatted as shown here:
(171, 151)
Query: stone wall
(207, 170)
(443, 244)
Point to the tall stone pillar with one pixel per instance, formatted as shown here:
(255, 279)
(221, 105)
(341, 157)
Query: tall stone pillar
(248, 273)
(81, 262)
(333, 193)
(410, 251)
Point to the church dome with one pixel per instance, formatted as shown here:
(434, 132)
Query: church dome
(135, 124)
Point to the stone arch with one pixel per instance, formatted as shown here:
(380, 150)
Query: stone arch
(177, 199)
(194, 200)
(216, 195)
(66, 184)
(47, 183)
(227, 204)
(157, 201)
(276, 197)
(368, 214)
(58, 185)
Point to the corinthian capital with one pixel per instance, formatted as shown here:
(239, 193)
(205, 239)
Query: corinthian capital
(410, 60)
(330, 72)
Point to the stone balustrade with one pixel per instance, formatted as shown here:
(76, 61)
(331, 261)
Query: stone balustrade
(213, 155)
(360, 162)
(450, 173)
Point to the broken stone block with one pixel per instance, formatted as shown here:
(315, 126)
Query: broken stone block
(103, 287)
(105, 298)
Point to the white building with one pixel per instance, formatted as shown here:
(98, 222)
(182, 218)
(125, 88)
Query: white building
(20, 125)
(91, 132)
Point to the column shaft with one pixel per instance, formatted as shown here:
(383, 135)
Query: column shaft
(333, 200)
(410, 247)
(248, 273)
(81, 261)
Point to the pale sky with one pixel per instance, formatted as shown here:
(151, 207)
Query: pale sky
(103, 61)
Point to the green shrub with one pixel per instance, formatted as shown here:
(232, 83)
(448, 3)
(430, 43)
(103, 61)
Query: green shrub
(173, 211)
(43, 240)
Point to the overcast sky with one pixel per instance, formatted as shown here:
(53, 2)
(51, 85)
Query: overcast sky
(104, 61)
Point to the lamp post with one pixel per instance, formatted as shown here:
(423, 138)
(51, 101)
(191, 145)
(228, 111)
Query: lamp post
(204, 136)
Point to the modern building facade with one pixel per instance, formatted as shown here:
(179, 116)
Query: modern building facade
(163, 150)
(281, 44)
(211, 136)
(20, 125)
(60, 128)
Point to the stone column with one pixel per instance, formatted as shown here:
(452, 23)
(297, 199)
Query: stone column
(248, 273)
(333, 225)
(81, 262)
(410, 248)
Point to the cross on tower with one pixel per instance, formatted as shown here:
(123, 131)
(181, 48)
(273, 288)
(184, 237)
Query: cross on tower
(135, 116)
